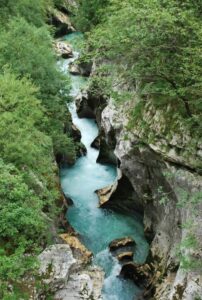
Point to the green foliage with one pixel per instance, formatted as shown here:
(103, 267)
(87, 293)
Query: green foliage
(187, 260)
(30, 55)
(90, 13)
(164, 196)
(65, 147)
(189, 243)
(193, 200)
(33, 11)
(33, 117)
(20, 141)
(22, 225)
(156, 46)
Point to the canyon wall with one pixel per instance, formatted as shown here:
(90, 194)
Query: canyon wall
(164, 175)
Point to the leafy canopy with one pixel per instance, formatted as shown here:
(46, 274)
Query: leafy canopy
(156, 46)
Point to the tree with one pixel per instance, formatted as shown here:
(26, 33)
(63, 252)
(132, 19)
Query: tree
(20, 111)
(90, 13)
(31, 56)
(35, 12)
(156, 46)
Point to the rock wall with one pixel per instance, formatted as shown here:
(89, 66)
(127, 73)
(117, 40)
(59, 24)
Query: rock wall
(166, 191)
(167, 188)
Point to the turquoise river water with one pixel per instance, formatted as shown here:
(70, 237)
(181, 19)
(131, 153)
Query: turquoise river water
(98, 227)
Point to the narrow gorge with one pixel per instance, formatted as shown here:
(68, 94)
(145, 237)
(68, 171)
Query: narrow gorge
(95, 226)
(133, 193)
(146, 184)
(100, 150)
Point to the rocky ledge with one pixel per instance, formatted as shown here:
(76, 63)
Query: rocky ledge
(64, 276)
(123, 249)
(61, 21)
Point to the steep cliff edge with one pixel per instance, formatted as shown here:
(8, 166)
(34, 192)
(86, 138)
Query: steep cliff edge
(168, 193)
(163, 172)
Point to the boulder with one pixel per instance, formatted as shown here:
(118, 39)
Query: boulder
(63, 49)
(74, 69)
(121, 243)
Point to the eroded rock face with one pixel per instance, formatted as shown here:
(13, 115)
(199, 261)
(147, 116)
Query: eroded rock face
(159, 186)
(90, 105)
(119, 196)
(65, 277)
(61, 21)
(85, 68)
(67, 6)
(106, 153)
(84, 108)
(105, 194)
(79, 250)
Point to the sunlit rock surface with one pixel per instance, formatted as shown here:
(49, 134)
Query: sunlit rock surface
(65, 276)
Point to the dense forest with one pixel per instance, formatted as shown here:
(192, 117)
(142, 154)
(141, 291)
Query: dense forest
(33, 95)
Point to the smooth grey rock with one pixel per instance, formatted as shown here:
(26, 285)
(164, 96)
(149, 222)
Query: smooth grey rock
(55, 264)
(66, 277)
(153, 176)
(86, 284)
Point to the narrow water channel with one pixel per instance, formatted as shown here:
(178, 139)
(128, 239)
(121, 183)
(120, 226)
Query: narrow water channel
(98, 227)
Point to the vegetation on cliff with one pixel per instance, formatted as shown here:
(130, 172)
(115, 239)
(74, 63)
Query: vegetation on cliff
(152, 51)
(33, 119)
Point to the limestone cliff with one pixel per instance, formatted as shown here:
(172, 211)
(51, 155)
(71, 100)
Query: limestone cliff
(163, 171)
(168, 193)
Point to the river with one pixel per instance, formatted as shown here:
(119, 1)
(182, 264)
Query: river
(98, 227)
